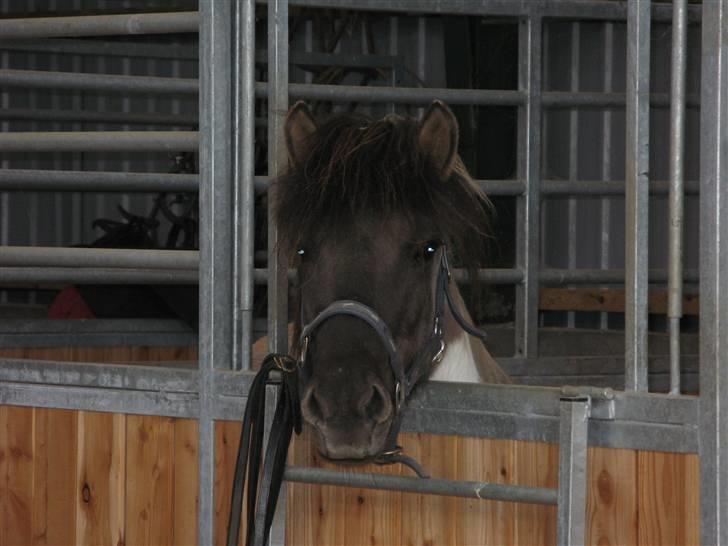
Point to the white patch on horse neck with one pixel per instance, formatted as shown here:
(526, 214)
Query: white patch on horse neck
(458, 364)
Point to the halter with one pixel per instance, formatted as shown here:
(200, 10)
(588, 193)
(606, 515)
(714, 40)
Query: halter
(428, 356)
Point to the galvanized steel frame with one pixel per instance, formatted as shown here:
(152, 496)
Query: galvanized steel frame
(637, 420)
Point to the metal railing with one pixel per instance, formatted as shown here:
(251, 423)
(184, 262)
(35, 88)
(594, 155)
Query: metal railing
(644, 420)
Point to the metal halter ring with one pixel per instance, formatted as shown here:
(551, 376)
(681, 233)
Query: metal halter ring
(285, 363)
(304, 352)
(399, 395)
(440, 353)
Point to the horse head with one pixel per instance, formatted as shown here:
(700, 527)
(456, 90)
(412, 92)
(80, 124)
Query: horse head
(368, 211)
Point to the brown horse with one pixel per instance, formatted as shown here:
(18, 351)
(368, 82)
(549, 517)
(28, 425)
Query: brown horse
(368, 212)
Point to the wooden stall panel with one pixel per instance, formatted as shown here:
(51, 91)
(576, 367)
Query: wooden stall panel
(227, 438)
(536, 465)
(18, 505)
(612, 497)
(101, 479)
(186, 490)
(667, 490)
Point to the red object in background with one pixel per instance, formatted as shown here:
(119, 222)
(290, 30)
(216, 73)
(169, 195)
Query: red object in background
(69, 304)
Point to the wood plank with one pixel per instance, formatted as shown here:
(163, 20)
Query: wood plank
(479, 521)
(608, 300)
(101, 475)
(299, 496)
(536, 465)
(4, 474)
(150, 480)
(611, 496)
(18, 516)
(668, 498)
(54, 480)
(372, 516)
(227, 438)
(430, 519)
(186, 483)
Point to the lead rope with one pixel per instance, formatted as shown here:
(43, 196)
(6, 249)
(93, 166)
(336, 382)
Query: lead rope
(262, 500)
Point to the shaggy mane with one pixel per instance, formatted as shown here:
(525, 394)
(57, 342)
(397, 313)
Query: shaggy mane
(358, 166)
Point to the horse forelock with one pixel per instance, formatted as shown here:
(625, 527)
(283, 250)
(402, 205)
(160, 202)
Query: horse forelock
(359, 167)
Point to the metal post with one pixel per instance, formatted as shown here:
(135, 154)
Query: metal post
(677, 194)
(573, 154)
(528, 243)
(637, 194)
(215, 234)
(244, 197)
(606, 156)
(571, 515)
(714, 276)
(277, 162)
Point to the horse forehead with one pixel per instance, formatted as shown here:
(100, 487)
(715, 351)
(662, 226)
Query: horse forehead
(372, 241)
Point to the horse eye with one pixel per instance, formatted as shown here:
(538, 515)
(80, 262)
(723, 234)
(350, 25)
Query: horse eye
(430, 249)
(301, 252)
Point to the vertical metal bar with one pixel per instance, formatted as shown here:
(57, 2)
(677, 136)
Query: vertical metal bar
(713, 440)
(573, 152)
(215, 345)
(277, 161)
(606, 202)
(277, 107)
(244, 192)
(571, 514)
(637, 194)
(528, 215)
(677, 194)
(4, 163)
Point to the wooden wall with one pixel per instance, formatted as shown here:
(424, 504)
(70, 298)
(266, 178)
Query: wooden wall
(74, 477)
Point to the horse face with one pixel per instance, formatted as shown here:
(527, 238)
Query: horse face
(348, 386)
(331, 207)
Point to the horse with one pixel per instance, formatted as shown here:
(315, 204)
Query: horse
(367, 213)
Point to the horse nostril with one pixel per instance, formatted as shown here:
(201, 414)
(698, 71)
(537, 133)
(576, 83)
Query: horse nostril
(378, 406)
(311, 406)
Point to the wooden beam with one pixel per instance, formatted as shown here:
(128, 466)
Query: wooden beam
(607, 299)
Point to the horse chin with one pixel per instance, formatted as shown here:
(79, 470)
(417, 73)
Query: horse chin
(345, 445)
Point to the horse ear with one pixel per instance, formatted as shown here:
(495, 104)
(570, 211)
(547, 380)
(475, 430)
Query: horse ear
(438, 137)
(299, 128)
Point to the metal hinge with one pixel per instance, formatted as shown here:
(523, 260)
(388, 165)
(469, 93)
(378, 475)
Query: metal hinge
(601, 400)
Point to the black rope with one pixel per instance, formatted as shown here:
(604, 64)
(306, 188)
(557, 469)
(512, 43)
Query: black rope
(262, 499)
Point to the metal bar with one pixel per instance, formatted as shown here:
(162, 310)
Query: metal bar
(637, 194)
(216, 234)
(104, 48)
(90, 116)
(400, 95)
(95, 333)
(606, 276)
(606, 204)
(110, 83)
(27, 256)
(432, 486)
(278, 89)
(528, 207)
(99, 25)
(677, 195)
(99, 141)
(606, 99)
(244, 174)
(99, 399)
(573, 429)
(608, 187)
(95, 181)
(95, 275)
(136, 377)
(564, 9)
(573, 154)
(714, 275)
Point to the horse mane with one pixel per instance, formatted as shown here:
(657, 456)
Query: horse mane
(357, 166)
